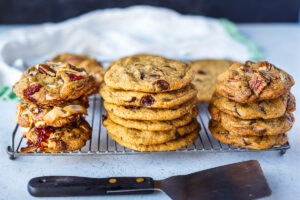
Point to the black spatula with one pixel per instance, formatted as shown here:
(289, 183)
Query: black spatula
(243, 180)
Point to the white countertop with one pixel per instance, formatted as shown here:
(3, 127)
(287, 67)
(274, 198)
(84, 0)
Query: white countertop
(280, 44)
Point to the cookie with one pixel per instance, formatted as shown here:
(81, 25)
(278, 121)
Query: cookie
(142, 113)
(148, 73)
(151, 100)
(49, 139)
(53, 83)
(29, 114)
(91, 66)
(256, 127)
(172, 145)
(248, 142)
(138, 137)
(155, 125)
(266, 109)
(251, 82)
(206, 73)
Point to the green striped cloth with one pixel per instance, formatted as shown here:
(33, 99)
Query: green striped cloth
(6, 93)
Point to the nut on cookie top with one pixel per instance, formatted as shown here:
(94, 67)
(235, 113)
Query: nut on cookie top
(148, 73)
(253, 81)
(53, 83)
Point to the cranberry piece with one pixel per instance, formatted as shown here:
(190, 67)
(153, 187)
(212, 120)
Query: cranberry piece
(30, 91)
(74, 77)
(42, 134)
(147, 100)
(29, 142)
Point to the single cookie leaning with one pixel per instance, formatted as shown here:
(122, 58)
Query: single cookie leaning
(151, 100)
(255, 127)
(53, 83)
(141, 113)
(249, 142)
(266, 109)
(172, 145)
(253, 82)
(29, 114)
(91, 66)
(148, 73)
(49, 139)
(138, 137)
(151, 125)
(206, 73)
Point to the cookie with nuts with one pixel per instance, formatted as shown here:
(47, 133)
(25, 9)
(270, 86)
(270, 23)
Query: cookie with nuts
(255, 127)
(53, 83)
(150, 100)
(248, 141)
(58, 139)
(148, 73)
(253, 81)
(265, 109)
(29, 115)
(206, 73)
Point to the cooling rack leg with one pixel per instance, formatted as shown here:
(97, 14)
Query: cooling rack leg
(11, 153)
(282, 152)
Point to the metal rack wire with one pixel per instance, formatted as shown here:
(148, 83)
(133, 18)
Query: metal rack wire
(102, 144)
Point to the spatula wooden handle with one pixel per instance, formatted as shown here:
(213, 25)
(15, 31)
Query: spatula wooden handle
(53, 186)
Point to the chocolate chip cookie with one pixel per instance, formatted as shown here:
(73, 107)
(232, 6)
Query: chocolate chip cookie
(29, 114)
(206, 73)
(265, 109)
(150, 100)
(50, 139)
(155, 125)
(142, 113)
(249, 142)
(251, 82)
(172, 145)
(255, 127)
(91, 66)
(53, 83)
(142, 137)
(148, 73)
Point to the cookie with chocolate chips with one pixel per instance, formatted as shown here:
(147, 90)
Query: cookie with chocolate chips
(148, 73)
(248, 142)
(154, 125)
(206, 73)
(29, 114)
(53, 83)
(50, 139)
(142, 113)
(255, 127)
(172, 145)
(91, 66)
(149, 100)
(265, 109)
(142, 137)
(251, 82)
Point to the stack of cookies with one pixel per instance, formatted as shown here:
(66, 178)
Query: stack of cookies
(252, 107)
(53, 106)
(150, 102)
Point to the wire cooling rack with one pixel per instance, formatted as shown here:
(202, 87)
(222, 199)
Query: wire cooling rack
(102, 144)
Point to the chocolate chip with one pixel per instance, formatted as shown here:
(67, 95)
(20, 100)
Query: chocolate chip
(177, 135)
(131, 100)
(262, 109)
(62, 145)
(104, 117)
(201, 72)
(131, 107)
(142, 76)
(253, 121)
(155, 76)
(147, 100)
(161, 84)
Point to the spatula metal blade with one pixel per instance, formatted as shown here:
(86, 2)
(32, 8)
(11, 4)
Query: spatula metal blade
(243, 180)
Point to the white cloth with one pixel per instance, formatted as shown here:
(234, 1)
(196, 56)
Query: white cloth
(113, 33)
